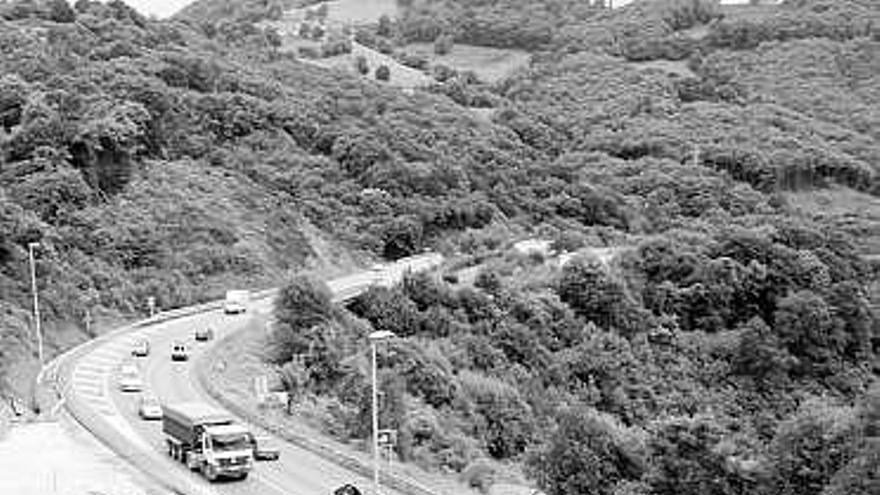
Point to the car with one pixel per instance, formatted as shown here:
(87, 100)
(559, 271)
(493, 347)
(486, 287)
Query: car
(140, 348)
(236, 302)
(204, 334)
(179, 352)
(347, 489)
(265, 449)
(150, 408)
(130, 378)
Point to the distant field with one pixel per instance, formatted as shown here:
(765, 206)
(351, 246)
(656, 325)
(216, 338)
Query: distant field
(846, 207)
(677, 67)
(352, 11)
(489, 64)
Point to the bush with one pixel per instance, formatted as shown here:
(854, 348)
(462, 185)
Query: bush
(302, 304)
(443, 44)
(383, 73)
(361, 65)
(587, 453)
(811, 447)
(479, 475)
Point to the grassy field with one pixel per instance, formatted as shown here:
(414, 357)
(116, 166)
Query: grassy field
(341, 12)
(489, 64)
(676, 67)
(843, 206)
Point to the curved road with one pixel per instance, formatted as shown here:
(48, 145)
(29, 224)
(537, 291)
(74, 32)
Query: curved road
(298, 472)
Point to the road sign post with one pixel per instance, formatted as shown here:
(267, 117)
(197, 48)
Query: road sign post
(87, 320)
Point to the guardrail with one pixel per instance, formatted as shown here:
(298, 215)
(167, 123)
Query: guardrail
(58, 370)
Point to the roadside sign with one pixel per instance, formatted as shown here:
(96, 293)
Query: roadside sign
(87, 321)
(387, 438)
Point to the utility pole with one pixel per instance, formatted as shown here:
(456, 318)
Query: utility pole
(31, 247)
(376, 337)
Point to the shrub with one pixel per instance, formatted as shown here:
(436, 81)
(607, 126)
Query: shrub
(443, 44)
(587, 453)
(480, 475)
(383, 73)
(361, 65)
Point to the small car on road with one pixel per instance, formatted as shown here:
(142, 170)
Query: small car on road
(265, 449)
(150, 408)
(204, 334)
(179, 351)
(140, 348)
(347, 489)
(130, 378)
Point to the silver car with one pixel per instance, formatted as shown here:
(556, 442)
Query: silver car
(150, 408)
(130, 379)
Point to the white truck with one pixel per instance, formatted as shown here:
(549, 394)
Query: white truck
(236, 301)
(207, 440)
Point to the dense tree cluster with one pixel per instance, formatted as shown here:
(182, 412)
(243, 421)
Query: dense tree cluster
(731, 334)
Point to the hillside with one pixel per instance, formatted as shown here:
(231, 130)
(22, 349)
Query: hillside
(727, 158)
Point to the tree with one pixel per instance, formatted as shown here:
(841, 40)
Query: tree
(304, 30)
(60, 11)
(689, 458)
(595, 295)
(361, 65)
(587, 453)
(810, 447)
(507, 422)
(302, 304)
(385, 29)
(762, 356)
(443, 44)
(317, 32)
(322, 11)
(402, 237)
(383, 73)
(804, 324)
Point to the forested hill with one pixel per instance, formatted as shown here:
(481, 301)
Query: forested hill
(729, 157)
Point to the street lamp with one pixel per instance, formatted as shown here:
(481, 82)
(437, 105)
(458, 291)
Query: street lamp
(31, 247)
(376, 337)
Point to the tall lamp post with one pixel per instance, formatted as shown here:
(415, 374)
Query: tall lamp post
(375, 338)
(31, 247)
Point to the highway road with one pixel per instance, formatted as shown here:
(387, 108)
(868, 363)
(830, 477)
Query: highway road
(298, 472)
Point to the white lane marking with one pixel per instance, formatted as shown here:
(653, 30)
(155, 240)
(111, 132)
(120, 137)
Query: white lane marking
(58, 406)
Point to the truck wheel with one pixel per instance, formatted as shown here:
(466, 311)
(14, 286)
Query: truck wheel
(209, 472)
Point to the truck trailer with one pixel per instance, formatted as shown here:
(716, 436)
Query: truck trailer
(207, 440)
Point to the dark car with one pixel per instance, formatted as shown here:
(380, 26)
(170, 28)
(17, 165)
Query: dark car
(347, 489)
(204, 334)
(179, 352)
(140, 348)
(265, 450)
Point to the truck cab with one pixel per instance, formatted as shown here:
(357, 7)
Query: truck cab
(227, 451)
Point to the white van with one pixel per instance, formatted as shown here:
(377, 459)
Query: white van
(236, 301)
